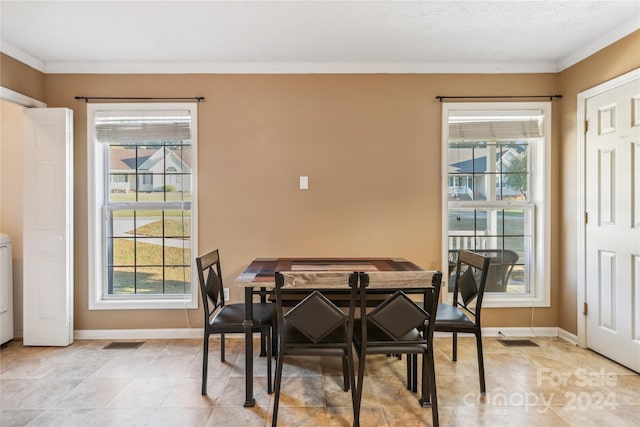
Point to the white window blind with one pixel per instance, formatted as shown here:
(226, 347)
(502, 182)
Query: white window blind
(136, 127)
(495, 125)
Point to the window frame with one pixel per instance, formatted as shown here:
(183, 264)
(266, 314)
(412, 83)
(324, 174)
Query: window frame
(97, 175)
(540, 198)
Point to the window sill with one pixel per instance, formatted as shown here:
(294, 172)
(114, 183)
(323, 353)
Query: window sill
(514, 302)
(509, 301)
(144, 304)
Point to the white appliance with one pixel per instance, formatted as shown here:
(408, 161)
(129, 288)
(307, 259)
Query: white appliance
(6, 290)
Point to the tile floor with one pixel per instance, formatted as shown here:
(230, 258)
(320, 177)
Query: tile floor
(158, 384)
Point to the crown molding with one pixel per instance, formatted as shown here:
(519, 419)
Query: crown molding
(599, 43)
(322, 67)
(20, 99)
(22, 56)
(298, 68)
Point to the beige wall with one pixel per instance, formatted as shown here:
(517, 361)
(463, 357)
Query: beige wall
(17, 76)
(370, 145)
(28, 81)
(615, 60)
(11, 195)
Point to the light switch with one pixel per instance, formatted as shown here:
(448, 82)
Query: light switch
(304, 182)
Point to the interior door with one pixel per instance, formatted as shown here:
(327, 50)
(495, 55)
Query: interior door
(48, 227)
(613, 225)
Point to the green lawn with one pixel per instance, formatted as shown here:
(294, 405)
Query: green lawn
(149, 276)
(149, 281)
(156, 196)
(180, 228)
(461, 220)
(172, 196)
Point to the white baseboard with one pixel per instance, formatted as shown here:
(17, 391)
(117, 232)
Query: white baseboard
(137, 334)
(512, 332)
(133, 334)
(568, 336)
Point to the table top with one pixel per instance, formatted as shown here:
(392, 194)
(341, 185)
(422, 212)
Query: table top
(260, 272)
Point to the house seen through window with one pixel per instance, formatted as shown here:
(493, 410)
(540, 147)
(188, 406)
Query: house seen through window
(144, 188)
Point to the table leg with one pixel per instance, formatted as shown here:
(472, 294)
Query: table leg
(248, 337)
(263, 344)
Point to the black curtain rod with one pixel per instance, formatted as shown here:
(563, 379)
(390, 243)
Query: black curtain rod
(441, 98)
(120, 98)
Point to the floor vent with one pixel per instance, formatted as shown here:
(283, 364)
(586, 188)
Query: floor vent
(129, 345)
(518, 343)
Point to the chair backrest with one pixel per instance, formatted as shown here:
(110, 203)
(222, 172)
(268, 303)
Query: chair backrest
(210, 278)
(315, 316)
(500, 268)
(399, 314)
(467, 286)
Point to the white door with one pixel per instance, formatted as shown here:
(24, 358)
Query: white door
(48, 227)
(613, 226)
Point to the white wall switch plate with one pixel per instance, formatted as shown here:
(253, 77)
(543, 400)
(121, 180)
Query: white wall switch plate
(226, 294)
(304, 182)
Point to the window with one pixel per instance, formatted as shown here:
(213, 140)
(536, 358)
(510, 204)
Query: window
(496, 200)
(142, 214)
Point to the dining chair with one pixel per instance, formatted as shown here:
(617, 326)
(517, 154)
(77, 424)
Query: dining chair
(221, 318)
(315, 326)
(400, 325)
(457, 316)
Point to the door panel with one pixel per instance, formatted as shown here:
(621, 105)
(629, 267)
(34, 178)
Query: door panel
(636, 298)
(635, 195)
(613, 229)
(606, 190)
(606, 284)
(48, 227)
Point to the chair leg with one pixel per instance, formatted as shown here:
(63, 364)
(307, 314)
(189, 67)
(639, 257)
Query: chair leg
(278, 383)
(358, 395)
(345, 374)
(263, 346)
(352, 382)
(205, 362)
(409, 371)
(425, 392)
(274, 339)
(222, 347)
(267, 339)
(414, 382)
(483, 388)
(455, 347)
(429, 376)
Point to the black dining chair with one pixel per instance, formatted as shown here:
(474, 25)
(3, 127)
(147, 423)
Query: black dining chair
(221, 318)
(400, 325)
(457, 316)
(315, 326)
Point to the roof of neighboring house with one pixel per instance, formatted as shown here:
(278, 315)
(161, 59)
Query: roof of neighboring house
(467, 164)
(124, 160)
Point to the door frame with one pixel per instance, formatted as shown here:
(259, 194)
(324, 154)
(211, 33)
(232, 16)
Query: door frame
(20, 99)
(581, 288)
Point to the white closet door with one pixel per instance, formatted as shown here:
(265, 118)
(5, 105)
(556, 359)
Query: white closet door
(48, 226)
(613, 229)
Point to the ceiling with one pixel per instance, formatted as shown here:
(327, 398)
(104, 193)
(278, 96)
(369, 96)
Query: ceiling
(310, 36)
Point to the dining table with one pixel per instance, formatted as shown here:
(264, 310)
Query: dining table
(258, 278)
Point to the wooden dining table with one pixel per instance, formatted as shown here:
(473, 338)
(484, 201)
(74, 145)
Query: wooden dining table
(259, 276)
